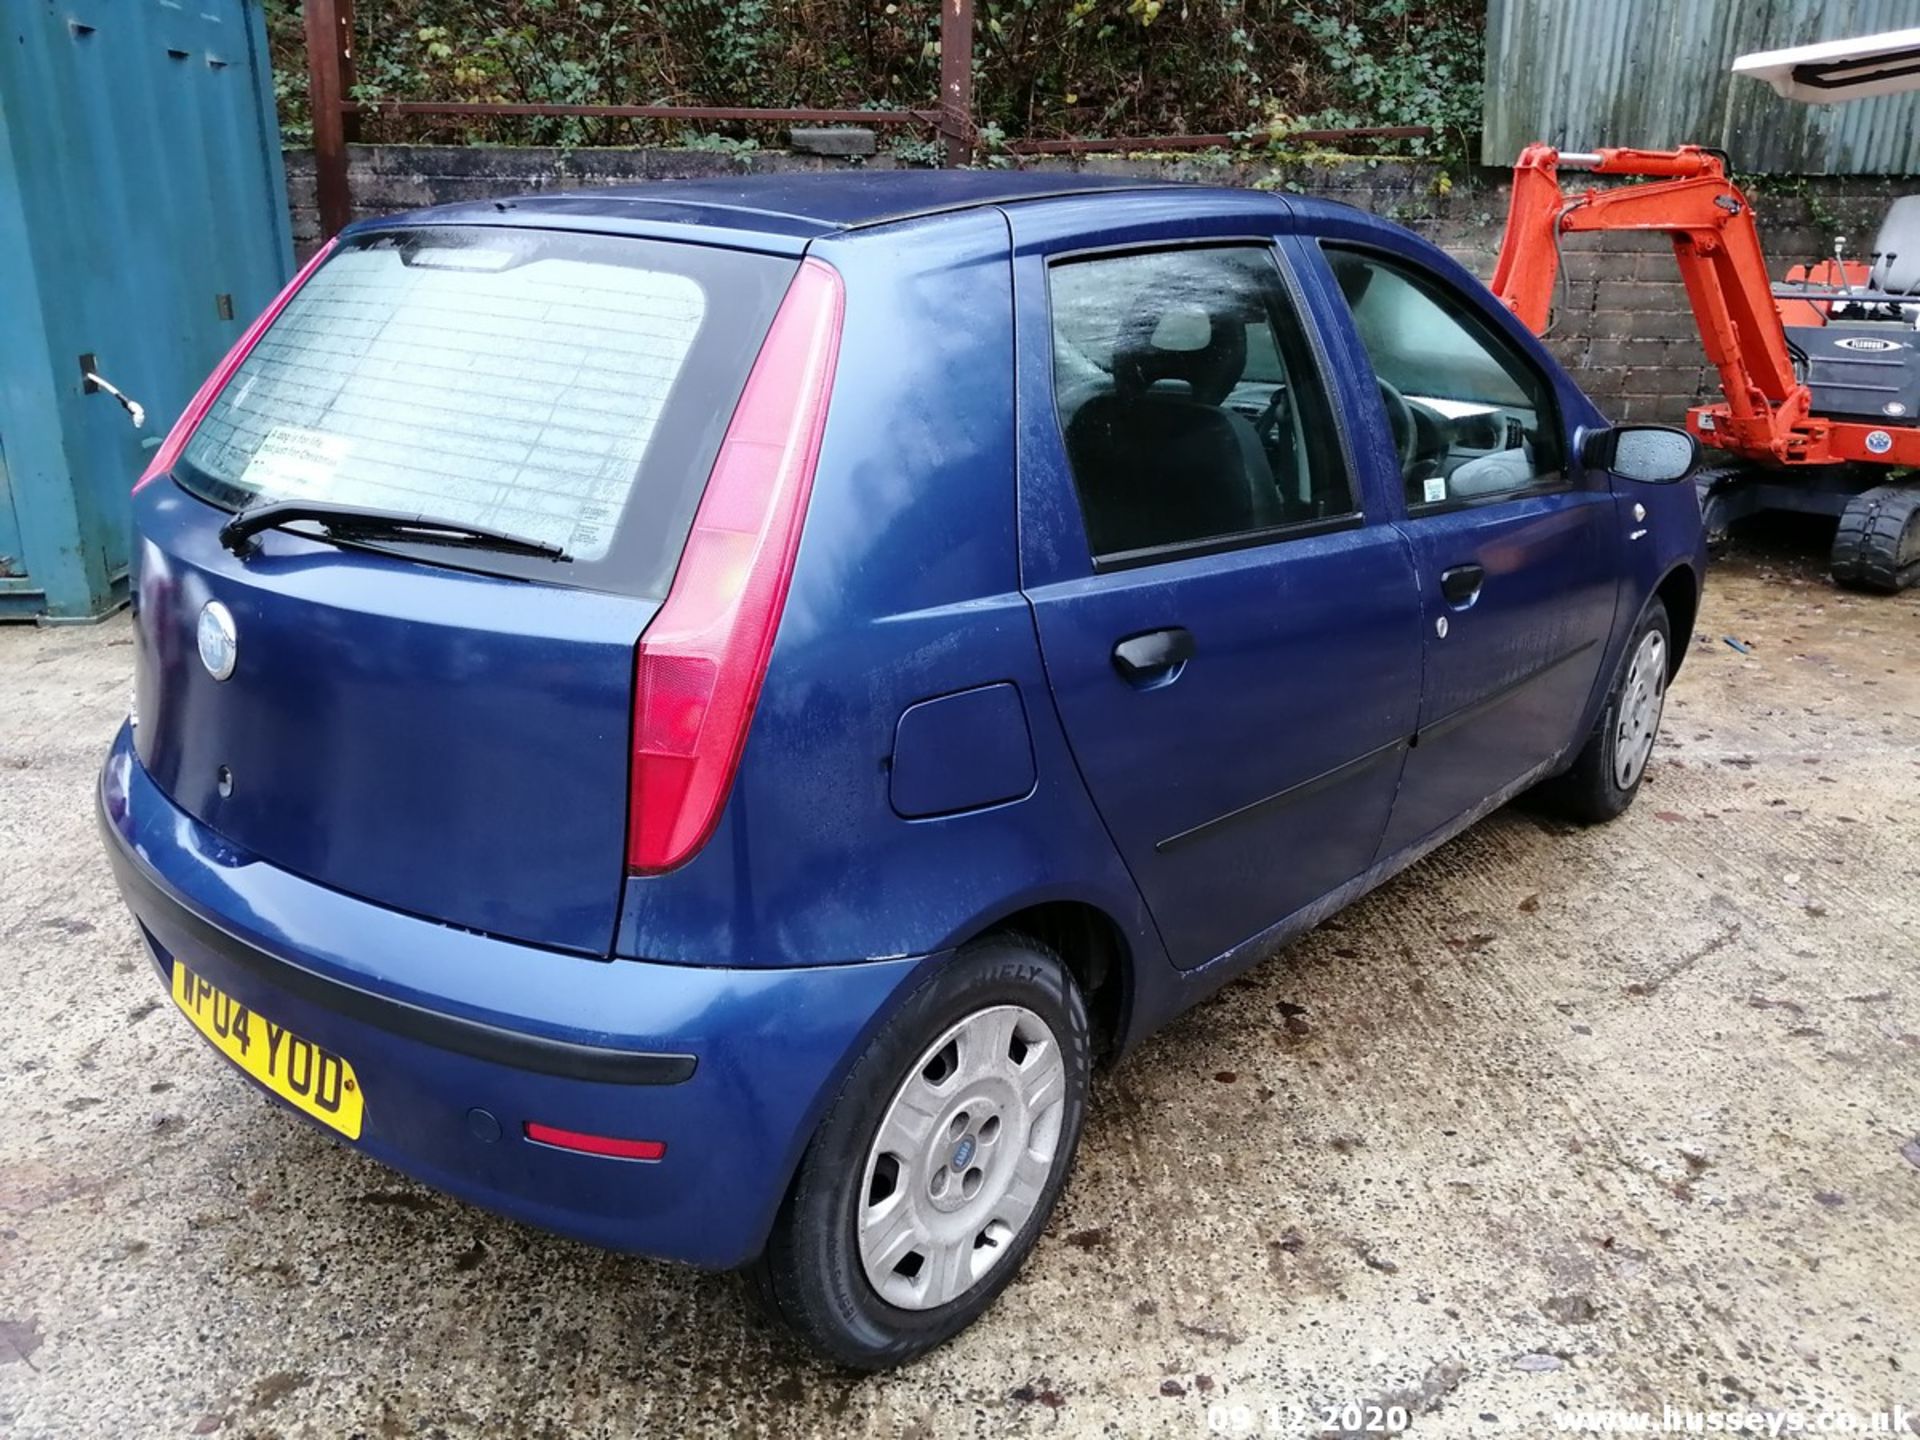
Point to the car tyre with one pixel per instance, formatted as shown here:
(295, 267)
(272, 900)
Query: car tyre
(960, 1119)
(1607, 773)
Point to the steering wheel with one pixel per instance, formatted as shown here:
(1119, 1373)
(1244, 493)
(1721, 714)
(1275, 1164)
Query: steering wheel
(1406, 435)
(1268, 423)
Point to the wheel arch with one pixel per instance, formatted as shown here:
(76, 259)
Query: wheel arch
(1679, 592)
(1096, 952)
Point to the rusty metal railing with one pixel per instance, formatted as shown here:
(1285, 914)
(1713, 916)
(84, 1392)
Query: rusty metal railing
(1108, 144)
(329, 27)
(336, 118)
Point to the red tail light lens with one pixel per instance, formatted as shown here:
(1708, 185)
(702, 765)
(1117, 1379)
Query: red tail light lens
(610, 1145)
(210, 388)
(702, 659)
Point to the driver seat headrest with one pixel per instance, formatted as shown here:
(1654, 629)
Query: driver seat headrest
(1184, 342)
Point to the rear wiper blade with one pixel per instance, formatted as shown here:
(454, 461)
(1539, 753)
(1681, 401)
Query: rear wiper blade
(352, 522)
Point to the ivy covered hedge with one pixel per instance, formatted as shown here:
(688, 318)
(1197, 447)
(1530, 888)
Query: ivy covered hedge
(1043, 68)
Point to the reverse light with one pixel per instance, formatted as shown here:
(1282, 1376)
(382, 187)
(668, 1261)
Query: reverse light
(700, 663)
(609, 1145)
(210, 388)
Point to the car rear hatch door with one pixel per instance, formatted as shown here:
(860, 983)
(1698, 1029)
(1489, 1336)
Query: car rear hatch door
(440, 728)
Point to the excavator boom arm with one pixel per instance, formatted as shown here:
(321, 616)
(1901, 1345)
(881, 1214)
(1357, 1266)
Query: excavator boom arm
(1715, 243)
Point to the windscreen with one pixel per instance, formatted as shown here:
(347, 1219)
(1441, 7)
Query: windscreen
(563, 388)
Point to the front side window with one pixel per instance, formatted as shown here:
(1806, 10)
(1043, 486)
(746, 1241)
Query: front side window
(1188, 401)
(1472, 418)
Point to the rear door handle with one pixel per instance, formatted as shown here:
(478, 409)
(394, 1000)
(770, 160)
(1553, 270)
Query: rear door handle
(1460, 586)
(1156, 655)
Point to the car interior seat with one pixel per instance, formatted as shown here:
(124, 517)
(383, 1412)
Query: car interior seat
(1161, 457)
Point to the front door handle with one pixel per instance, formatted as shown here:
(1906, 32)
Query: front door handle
(1156, 655)
(1460, 586)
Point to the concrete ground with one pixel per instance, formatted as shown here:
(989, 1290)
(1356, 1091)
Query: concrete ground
(1559, 1119)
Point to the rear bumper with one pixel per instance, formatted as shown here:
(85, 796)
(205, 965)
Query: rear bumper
(449, 1031)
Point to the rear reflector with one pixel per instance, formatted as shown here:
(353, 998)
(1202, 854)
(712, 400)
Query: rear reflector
(700, 663)
(210, 388)
(595, 1144)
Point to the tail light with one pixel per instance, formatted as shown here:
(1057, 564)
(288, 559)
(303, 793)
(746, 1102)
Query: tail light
(700, 663)
(210, 388)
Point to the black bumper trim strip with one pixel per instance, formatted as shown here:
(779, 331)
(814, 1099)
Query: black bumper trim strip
(517, 1050)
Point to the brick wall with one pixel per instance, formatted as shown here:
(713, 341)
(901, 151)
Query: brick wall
(1623, 325)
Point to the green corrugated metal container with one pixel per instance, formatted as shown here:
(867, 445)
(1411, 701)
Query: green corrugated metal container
(1656, 73)
(143, 222)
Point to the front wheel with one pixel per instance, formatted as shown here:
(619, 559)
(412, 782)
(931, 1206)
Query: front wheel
(939, 1162)
(1607, 773)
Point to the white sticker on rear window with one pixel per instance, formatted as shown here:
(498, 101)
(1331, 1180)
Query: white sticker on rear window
(1434, 489)
(294, 464)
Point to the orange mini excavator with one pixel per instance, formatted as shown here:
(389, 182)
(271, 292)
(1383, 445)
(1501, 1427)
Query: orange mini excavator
(1820, 374)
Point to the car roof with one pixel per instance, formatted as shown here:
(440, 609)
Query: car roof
(798, 205)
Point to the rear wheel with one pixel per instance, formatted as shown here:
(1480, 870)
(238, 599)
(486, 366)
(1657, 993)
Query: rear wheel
(1607, 773)
(1877, 547)
(936, 1168)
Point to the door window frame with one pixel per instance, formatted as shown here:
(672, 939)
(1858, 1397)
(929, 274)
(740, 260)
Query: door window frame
(1483, 327)
(1319, 370)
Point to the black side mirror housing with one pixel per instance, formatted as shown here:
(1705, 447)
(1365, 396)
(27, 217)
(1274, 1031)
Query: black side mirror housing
(1652, 454)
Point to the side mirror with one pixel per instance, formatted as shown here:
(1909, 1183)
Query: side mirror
(1655, 454)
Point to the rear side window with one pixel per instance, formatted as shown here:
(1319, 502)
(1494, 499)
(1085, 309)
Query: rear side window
(567, 388)
(1189, 403)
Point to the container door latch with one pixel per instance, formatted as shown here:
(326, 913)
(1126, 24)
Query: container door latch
(94, 381)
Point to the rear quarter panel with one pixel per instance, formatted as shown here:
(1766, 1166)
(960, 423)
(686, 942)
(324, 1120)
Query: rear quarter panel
(906, 589)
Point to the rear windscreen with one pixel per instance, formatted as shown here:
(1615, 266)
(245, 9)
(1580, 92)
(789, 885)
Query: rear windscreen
(566, 388)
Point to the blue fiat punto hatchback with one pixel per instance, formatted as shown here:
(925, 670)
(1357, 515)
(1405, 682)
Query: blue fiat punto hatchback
(693, 715)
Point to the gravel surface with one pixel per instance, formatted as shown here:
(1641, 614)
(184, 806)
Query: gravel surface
(1559, 1119)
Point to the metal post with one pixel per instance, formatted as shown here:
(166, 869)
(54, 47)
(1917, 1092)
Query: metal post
(324, 94)
(956, 79)
(350, 127)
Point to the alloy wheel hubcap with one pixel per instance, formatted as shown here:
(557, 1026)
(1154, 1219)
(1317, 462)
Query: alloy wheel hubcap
(961, 1158)
(1641, 700)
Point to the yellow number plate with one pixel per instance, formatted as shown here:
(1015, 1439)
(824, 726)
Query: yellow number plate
(298, 1071)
